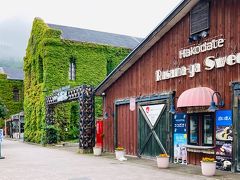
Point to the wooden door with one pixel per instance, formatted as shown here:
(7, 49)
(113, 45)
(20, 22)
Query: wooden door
(126, 129)
(153, 129)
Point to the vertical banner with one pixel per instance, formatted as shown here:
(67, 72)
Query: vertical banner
(180, 138)
(224, 138)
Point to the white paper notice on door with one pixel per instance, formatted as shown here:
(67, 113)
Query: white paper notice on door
(153, 111)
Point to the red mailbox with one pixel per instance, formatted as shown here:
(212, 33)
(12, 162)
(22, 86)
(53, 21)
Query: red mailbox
(99, 133)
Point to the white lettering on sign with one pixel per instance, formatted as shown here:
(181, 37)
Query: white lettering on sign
(206, 46)
(177, 72)
(212, 62)
(225, 118)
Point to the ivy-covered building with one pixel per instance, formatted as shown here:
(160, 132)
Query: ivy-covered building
(11, 89)
(59, 56)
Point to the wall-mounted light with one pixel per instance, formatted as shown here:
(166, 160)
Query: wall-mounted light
(198, 37)
(108, 111)
(172, 109)
(194, 37)
(203, 34)
(213, 106)
(172, 106)
(105, 115)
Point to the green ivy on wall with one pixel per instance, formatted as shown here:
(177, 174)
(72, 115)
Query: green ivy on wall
(46, 68)
(6, 94)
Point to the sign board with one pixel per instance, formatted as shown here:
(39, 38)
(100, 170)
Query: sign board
(224, 118)
(180, 138)
(65, 88)
(60, 96)
(224, 138)
(1, 135)
(201, 48)
(180, 124)
(132, 104)
(153, 111)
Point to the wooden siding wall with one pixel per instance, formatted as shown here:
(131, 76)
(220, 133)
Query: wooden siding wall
(140, 78)
(127, 126)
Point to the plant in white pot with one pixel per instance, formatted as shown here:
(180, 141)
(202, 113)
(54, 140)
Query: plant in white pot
(163, 160)
(97, 150)
(208, 166)
(120, 153)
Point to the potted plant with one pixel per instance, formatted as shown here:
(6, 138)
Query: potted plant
(97, 150)
(120, 153)
(163, 160)
(208, 166)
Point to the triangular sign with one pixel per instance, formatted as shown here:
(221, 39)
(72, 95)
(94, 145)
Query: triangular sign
(153, 111)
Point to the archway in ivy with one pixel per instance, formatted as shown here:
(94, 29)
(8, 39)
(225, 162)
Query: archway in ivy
(85, 96)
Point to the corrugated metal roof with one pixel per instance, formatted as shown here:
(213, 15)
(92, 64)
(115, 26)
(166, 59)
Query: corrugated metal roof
(14, 74)
(91, 36)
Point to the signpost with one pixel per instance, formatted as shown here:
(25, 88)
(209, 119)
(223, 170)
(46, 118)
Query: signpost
(1, 138)
(224, 138)
(180, 138)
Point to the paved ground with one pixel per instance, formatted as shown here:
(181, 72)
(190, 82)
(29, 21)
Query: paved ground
(24, 162)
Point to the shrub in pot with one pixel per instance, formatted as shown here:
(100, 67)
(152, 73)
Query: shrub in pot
(120, 153)
(163, 160)
(208, 166)
(97, 150)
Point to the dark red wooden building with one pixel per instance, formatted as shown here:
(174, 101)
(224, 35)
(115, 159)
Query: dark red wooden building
(188, 62)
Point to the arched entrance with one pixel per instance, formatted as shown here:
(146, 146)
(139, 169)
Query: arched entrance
(85, 96)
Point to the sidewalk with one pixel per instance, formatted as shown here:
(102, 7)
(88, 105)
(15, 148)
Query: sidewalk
(189, 170)
(135, 164)
(177, 168)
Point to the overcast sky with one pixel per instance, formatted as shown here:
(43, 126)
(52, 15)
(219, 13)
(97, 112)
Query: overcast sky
(131, 17)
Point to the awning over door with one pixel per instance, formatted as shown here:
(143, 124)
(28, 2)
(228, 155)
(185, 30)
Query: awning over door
(200, 96)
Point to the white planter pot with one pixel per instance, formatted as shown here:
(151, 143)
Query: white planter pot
(119, 154)
(162, 162)
(208, 168)
(97, 151)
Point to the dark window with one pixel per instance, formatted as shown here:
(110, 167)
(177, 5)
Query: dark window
(110, 66)
(40, 68)
(201, 129)
(16, 94)
(207, 130)
(199, 17)
(193, 130)
(72, 69)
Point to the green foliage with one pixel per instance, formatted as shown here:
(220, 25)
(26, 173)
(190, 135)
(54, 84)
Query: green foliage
(51, 134)
(46, 68)
(3, 110)
(3, 76)
(74, 122)
(2, 123)
(8, 106)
